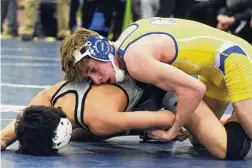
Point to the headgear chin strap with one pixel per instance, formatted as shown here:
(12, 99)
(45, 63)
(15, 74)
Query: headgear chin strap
(119, 73)
(62, 134)
(100, 48)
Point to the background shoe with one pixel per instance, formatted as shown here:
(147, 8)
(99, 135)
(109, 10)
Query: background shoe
(26, 37)
(9, 36)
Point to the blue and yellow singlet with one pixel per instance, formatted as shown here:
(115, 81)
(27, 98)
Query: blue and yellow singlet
(222, 61)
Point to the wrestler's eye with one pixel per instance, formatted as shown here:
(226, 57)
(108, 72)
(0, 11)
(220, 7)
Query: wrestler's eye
(92, 70)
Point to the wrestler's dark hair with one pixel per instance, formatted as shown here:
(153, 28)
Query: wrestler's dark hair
(35, 129)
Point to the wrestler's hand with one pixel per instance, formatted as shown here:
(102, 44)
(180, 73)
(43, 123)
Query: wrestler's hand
(222, 19)
(222, 26)
(182, 135)
(164, 135)
(3, 145)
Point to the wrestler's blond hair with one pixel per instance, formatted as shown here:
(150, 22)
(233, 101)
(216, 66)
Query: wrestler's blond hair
(71, 43)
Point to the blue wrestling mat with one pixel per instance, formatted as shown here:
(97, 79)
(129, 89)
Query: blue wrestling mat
(27, 68)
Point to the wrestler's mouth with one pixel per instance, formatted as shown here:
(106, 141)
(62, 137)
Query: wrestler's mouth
(109, 80)
(106, 81)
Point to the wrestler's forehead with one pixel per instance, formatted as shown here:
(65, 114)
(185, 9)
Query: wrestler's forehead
(90, 64)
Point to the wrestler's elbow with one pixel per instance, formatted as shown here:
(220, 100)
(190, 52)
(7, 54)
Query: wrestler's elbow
(98, 128)
(200, 89)
(195, 91)
(107, 128)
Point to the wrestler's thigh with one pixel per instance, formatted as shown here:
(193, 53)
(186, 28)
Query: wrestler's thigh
(218, 107)
(238, 78)
(243, 111)
(216, 98)
(208, 130)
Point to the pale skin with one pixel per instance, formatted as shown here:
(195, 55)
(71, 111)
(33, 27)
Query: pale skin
(240, 109)
(150, 55)
(104, 114)
(206, 128)
(189, 90)
(104, 117)
(224, 22)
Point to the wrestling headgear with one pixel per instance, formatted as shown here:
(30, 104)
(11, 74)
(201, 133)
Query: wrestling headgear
(62, 134)
(100, 48)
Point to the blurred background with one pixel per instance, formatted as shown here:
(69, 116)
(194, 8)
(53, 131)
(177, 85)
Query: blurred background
(52, 20)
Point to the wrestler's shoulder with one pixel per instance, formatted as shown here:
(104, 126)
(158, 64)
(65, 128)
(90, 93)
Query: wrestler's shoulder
(53, 88)
(105, 88)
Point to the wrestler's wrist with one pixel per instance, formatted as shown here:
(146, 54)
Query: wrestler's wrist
(3, 144)
(178, 123)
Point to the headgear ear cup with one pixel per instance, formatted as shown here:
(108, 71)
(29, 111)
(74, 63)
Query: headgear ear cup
(119, 75)
(63, 134)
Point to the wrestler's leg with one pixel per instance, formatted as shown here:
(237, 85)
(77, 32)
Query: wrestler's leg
(217, 101)
(216, 98)
(224, 142)
(218, 107)
(244, 114)
(238, 78)
(239, 143)
(208, 130)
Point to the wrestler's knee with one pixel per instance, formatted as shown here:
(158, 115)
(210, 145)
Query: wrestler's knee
(243, 111)
(195, 142)
(238, 142)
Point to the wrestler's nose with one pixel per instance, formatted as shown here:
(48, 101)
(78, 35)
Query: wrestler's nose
(97, 79)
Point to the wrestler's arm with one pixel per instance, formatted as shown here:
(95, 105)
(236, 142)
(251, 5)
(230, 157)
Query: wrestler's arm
(8, 134)
(80, 134)
(104, 116)
(188, 89)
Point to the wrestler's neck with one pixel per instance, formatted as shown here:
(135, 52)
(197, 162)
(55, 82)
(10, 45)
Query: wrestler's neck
(119, 61)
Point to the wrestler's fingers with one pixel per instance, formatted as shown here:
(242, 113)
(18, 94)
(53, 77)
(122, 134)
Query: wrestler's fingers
(156, 134)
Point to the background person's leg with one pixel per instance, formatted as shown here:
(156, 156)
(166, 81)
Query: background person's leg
(119, 18)
(166, 8)
(4, 10)
(73, 10)
(12, 24)
(63, 14)
(147, 8)
(88, 10)
(30, 17)
(136, 10)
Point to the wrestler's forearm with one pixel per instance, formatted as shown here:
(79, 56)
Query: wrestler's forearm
(8, 135)
(80, 134)
(149, 119)
(189, 94)
(186, 106)
(189, 90)
(125, 121)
